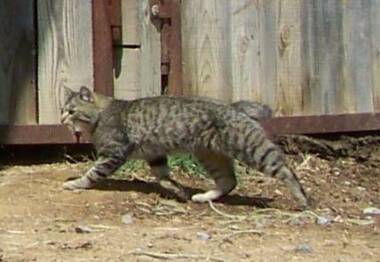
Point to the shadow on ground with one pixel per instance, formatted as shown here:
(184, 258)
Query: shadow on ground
(140, 186)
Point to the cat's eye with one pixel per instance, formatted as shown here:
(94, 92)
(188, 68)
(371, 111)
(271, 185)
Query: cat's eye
(71, 112)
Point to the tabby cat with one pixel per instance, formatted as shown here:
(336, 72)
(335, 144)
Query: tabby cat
(151, 128)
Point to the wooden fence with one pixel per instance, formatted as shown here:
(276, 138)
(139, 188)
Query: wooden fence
(34, 72)
(302, 57)
(315, 62)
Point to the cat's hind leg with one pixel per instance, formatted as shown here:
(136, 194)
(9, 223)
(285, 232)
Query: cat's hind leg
(221, 169)
(160, 170)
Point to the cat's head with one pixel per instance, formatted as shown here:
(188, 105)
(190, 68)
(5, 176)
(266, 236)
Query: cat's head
(81, 109)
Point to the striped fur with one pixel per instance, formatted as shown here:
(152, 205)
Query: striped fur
(152, 128)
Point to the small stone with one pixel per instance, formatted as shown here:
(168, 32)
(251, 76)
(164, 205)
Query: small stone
(322, 221)
(83, 229)
(296, 222)
(371, 211)
(347, 183)
(127, 219)
(360, 188)
(338, 219)
(203, 236)
(278, 192)
(336, 172)
(303, 248)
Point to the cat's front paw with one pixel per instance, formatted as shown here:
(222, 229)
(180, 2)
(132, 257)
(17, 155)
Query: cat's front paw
(79, 183)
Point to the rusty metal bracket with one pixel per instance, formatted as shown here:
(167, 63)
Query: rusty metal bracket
(169, 12)
(115, 21)
(106, 19)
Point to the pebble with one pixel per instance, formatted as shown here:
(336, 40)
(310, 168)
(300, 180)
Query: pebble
(83, 229)
(203, 236)
(303, 248)
(322, 221)
(347, 183)
(278, 192)
(127, 219)
(371, 211)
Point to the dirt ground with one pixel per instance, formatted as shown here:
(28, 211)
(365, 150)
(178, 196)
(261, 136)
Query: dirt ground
(130, 219)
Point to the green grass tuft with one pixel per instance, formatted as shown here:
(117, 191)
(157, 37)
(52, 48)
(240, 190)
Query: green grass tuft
(186, 163)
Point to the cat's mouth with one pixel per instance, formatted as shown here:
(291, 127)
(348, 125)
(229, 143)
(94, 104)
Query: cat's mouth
(75, 128)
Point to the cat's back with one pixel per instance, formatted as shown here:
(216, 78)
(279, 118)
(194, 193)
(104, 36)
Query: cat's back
(165, 109)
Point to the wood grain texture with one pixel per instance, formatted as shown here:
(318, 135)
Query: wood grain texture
(245, 50)
(17, 62)
(150, 56)
(289, 59)
(322, 52)
(375, 53)
(358, 55)
(127, 84)
(206, 48)
(64, 52)
(130, 22)
(140, 72)
(301, 57)
(268, 34)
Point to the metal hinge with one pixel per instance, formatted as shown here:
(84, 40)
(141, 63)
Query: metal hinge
(168, 11)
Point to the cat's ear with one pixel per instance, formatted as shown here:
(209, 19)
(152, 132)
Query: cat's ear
(86, 94)
(67, 92)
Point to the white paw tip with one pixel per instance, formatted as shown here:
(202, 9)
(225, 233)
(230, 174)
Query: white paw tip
(200, 198)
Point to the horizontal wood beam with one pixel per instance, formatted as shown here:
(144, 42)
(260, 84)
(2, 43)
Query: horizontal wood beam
(38, 134)
(322, 124)
(345, 123)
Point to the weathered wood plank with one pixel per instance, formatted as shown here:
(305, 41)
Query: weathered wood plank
(127, 84)
(17, 63)
(130, 22)
(357, 55)
(375, 37)
(140, 73)
(268, 34)
(289, 61)
(39, 135)
(245, 50)
(206, 49)
(322, 57)
(150, 67)
(301, 57)
(65, 52)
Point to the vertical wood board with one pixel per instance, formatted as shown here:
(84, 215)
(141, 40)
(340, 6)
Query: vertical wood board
(375, 52)
(150, 56)
(65, 56)
(140, 72)
(268, 33)
(245, 50)
(206, 48)
(17, 62)
(289, 60)
(130, 14)
(127, 84)
(358, 55)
